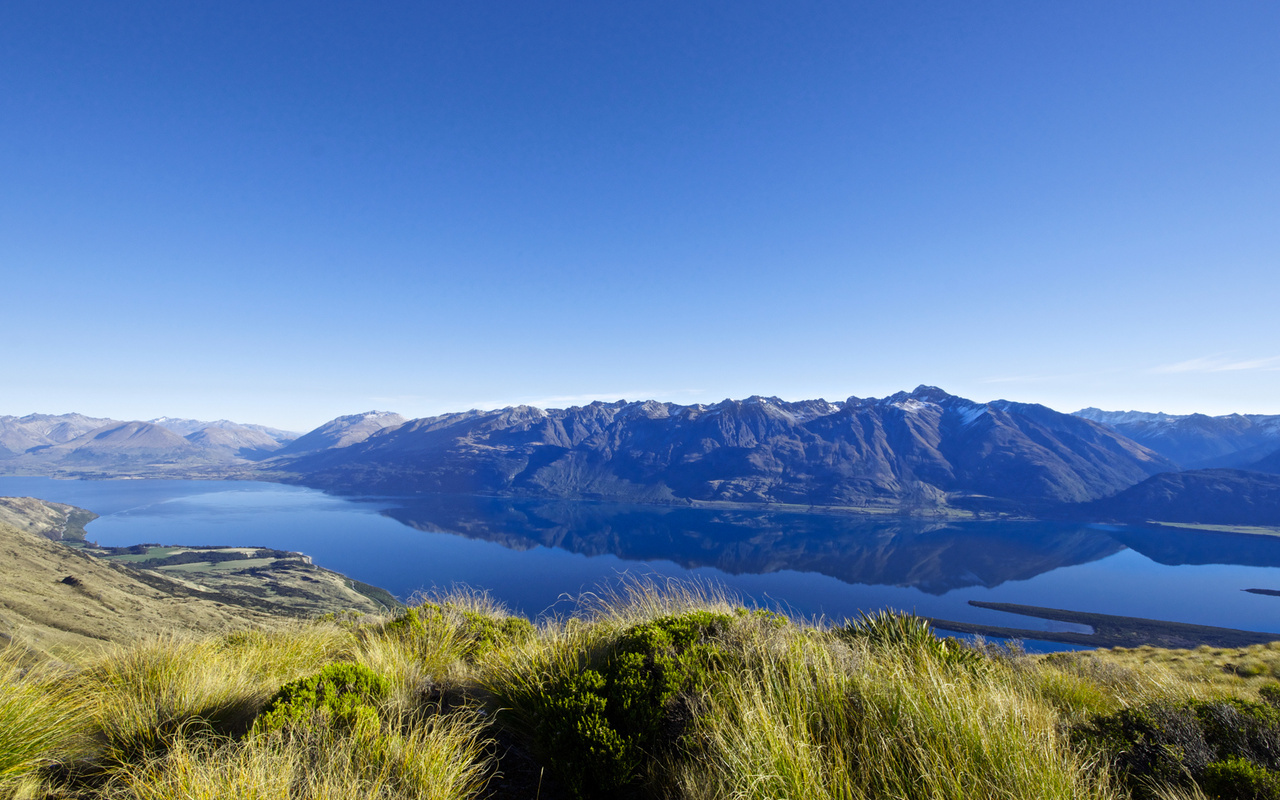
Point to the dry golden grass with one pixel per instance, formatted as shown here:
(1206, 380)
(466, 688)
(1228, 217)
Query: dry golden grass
(42, 722)
(1202, 672)
(441, 758)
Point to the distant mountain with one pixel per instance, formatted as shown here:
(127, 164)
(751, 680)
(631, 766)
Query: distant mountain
(20, 434)
(76, 444)
(1206, 496)
(186, 427)
(1195, 441)
(919, 451)
(237, 441)
(118, 443)
(343, 432)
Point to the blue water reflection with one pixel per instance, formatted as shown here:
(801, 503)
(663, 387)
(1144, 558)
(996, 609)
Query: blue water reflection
(532, 555)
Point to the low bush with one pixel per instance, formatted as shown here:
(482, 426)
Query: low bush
(1235, 778)
(600, 726)
(343, 696)
(1229, 748)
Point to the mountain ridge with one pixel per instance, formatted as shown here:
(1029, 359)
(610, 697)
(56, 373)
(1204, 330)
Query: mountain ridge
(1196, 441)
(908, 451)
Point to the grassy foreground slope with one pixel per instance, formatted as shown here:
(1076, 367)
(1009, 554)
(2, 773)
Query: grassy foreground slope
(54, 521)
(664, 693)
(57, 598)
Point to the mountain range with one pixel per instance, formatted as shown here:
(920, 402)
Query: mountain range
(924, 450)
(71, 443)
(1197, 441)
(920, 452)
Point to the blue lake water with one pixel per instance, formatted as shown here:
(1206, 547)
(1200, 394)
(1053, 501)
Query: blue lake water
(536, 555)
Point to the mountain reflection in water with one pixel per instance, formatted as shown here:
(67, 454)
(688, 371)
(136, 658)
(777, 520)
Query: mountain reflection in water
(933, 556)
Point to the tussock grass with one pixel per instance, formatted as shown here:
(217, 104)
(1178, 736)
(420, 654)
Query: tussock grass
(1240, 671)
(41, 722)
(442, 758)
(147, 695)
(827, 719)
(656, 690)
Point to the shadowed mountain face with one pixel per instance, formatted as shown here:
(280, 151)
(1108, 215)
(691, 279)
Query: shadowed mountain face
(1270, 464)
(1206, 496)
(1196, 441)
(898, 551)
(914, 451)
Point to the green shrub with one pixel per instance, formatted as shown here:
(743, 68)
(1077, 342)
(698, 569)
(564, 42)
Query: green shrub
(1235, 778)
(1163, 745)
(600, 727)
(343, 696)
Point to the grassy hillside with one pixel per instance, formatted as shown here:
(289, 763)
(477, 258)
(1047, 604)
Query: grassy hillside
(58, 597)
(54, 521)
(659, 693)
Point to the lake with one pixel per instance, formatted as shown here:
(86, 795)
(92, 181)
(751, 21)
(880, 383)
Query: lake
(536, 555)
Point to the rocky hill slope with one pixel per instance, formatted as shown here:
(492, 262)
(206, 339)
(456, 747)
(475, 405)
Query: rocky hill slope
(919, 451)
(56, 597)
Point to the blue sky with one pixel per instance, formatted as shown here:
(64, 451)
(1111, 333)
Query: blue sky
(283, 212)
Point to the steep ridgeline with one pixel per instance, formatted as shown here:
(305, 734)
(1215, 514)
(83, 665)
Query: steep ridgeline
(1196, 441)
(924, 450)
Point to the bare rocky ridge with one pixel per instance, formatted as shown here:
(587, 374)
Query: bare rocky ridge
(922, 451)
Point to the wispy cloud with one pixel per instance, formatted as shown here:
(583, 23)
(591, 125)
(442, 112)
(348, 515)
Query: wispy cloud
(1220, 364)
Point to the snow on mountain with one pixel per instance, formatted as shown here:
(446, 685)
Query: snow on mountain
(1196, 441)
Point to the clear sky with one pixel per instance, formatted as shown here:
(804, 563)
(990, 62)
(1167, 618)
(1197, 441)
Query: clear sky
(282, 212)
